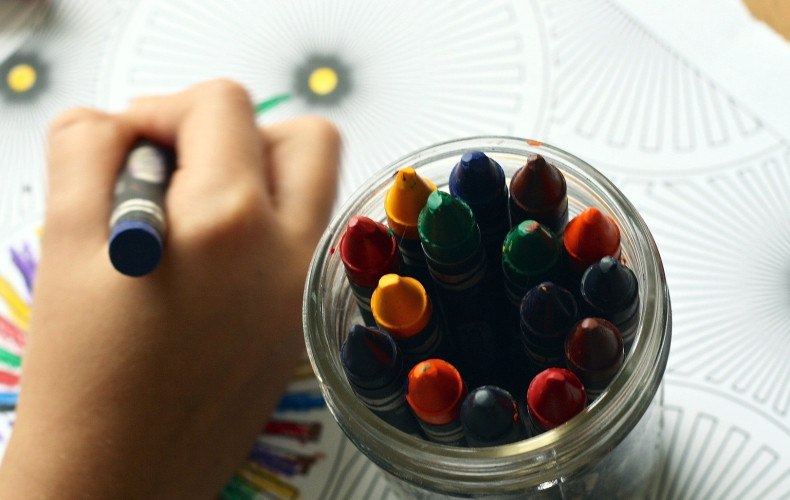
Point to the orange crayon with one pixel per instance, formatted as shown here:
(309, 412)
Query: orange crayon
(589, 237)
(435, 392)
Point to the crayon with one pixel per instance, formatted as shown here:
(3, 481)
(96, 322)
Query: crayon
(435, 392)
(456, 260)
(554, 396)
(530, 255)
(490, 417)
(368, 252)
(8, 400)
(588, 238)
(480, 182)
(610, 290)
(303, 432)
(301, 401)
(594, 352)
(377, 372)
(538, 191)
(9, 358)
(402, 308)
(9, 331)
(548, 312)
(137, 222)
(402, 205)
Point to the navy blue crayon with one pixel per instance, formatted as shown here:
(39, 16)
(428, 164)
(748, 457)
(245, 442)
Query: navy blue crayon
(137, 222)
(490, 417)
(456, 260)
(480, 182)
(610, 290)
(547, 314)
(377, 373)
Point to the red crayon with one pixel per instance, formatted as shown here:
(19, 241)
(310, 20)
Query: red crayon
(594, 352)
(588, 238)
(368, 252)
(554, 396)
(435, 392)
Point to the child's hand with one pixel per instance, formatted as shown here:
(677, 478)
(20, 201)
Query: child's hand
(156, 387)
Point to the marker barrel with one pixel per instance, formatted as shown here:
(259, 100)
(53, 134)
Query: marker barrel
(138, 222)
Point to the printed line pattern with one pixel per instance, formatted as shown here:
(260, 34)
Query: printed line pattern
(421, 72)
(615, 84)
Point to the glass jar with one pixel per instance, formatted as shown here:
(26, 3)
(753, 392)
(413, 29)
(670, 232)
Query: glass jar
(611, 450)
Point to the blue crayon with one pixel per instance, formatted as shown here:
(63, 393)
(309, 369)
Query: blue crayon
(456, 260)
(610, 290)
(301, 401)
(138, 222)
(8, 400)
(490, 417)
(547, 314)
(480, 182)
(377, 372)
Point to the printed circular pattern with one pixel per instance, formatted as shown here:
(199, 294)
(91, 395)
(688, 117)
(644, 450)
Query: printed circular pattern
(395, 77)
(630, 104)
(724, 244)
(53, 67)
(719, 447)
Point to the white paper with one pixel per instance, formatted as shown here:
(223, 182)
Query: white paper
(685, 105)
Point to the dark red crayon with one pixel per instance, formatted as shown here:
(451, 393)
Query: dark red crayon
(554, 396)
(594, 352)
(610, 290)
(368, 252)
(538, 192)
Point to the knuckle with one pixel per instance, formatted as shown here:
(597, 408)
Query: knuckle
(86, 123)
(71, 117)
(226, 90)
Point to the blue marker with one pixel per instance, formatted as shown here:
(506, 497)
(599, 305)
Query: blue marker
(138, 223)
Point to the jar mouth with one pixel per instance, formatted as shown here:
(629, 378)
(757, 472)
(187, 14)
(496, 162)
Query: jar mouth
(548, 456)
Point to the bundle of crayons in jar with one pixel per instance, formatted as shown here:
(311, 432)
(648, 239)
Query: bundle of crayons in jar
(489, 316)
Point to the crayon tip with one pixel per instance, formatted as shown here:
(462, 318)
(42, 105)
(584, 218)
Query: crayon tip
(447, 225)
(401, 306)
(548, 310)
(369, 356)
(538, 189)
(594, 350)
(529, 249)
(555, 396)
(590, 236)
(368, 251)
(488, 412)
(404, 201)
(611, 288)
(477, 179)
(435, 391)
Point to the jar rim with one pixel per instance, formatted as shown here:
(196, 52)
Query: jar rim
(553, 454)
